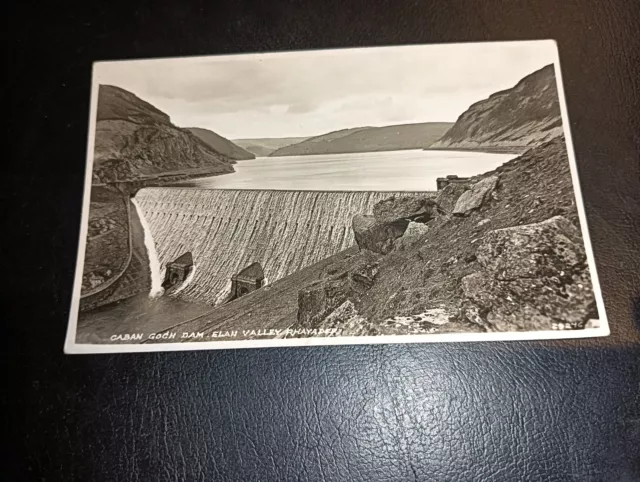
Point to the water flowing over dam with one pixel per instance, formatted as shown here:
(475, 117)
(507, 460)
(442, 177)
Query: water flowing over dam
(226, 230)
(154, 263)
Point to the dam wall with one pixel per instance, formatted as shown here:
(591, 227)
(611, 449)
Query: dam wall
(226, 230)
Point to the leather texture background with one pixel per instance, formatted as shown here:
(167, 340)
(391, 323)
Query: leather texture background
(560, 411)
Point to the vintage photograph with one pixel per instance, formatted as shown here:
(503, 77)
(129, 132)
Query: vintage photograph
(374, 195)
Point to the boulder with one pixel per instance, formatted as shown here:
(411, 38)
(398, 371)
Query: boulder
(415, 208)
(377, 236)
(549, 248)
(412, 235)
(415, 229)
(534, 277)
(348, 320)
(476, 196)
(531, 304)
(449, 195)
(363, 275)
(321, 298)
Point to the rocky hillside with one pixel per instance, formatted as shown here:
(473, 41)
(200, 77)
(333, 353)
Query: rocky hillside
(222, 145)
(316, 144)
(515, 119)
(264, 147)
(135, 140)
(501, 253)
(369, 139)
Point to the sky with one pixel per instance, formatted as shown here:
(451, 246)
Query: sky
(308, 93)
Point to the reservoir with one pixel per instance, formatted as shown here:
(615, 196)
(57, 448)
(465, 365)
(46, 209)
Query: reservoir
(407, 170)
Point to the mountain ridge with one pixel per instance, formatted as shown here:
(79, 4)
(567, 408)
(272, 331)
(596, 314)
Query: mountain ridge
(263, 146)
(517, 118)
(136, 140)
(221, 144)
(369, 139)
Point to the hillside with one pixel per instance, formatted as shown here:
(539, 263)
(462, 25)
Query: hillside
(135, 140)
(513, 262)
(516, 118)
(369, 139)
(222, 145)
(264, 147)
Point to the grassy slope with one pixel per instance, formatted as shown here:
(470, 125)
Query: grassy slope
(221, 144)
(370, 139)
(262, 147)
(316, 144)
(133, 139)
(525, 115)
(105, 254)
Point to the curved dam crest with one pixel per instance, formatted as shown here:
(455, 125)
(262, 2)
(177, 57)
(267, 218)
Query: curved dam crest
(226, 230)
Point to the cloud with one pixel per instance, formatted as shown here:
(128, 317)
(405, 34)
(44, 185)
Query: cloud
(301, 107)
(281, 94)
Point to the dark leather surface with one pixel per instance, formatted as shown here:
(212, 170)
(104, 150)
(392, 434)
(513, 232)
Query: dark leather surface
(488, 411)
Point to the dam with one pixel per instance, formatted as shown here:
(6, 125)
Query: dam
(227, 230)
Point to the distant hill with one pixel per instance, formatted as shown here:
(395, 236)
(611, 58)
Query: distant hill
(222, 145)
(518, 118)
(369, 139)
(135, 140)
(265, 146)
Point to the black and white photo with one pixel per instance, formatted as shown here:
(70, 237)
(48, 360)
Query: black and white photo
(374, 195)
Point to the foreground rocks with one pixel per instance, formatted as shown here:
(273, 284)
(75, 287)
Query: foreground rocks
(511, 259)
(323, 297)
(412, 236)
(449, 195)
(396, 223)
(476, 196)
(533, 277)
(377, 236)
(412, 208)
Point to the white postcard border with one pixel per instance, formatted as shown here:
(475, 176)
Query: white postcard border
(71, 347)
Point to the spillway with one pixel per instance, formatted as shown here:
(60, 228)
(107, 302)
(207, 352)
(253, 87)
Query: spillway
(154, 262)
(226, 230)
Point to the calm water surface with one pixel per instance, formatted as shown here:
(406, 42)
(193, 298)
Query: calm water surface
(409, 170)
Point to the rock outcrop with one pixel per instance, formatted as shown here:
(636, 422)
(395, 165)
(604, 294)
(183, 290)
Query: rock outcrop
(320, 299)
(369, 139)
(514, 119)
(221, 145)
(474, 197)
(448, 196)
(397, 222)
(510, 248)
(346, 319)
(411, 208)
(134, 140)
(412, 235)
(533, 277)
(377, 236)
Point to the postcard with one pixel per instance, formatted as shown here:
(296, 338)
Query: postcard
(423, 193)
